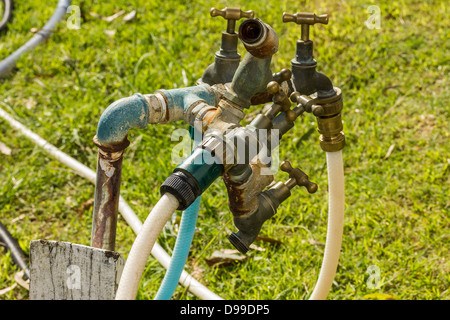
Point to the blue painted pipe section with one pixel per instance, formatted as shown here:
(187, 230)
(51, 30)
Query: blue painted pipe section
(180, 99)
(180, 252)
(133, 112)
(121, 116)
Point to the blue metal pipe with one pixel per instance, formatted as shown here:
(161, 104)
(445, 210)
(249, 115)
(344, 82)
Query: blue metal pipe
(180, 99)
(135, 112)
(120, 117)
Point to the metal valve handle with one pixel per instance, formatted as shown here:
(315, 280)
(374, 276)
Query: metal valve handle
(305, 19)
(297, 177)
(282, 76)
(231, 14)
(280, 97)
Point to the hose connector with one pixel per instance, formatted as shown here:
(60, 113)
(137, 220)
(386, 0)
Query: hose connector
(329, 123)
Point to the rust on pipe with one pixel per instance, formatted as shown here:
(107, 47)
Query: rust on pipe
(243, 196)
(106, 201)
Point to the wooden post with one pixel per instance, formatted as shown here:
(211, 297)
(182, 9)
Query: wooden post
(68, 271)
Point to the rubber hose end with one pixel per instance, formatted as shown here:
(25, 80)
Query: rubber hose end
(183, 187)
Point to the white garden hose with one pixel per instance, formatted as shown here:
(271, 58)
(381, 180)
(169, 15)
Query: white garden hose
(127, 213)
(142, 246)
(336, 206)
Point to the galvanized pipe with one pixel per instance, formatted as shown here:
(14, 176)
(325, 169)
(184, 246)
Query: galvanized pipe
(106, 200)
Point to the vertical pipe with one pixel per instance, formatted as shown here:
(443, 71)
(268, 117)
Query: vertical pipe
(106, 201)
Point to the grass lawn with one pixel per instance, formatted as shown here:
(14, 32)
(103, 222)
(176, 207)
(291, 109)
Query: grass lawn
(396, 113)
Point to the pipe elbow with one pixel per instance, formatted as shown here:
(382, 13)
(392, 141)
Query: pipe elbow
(119, 118)
(253, 73)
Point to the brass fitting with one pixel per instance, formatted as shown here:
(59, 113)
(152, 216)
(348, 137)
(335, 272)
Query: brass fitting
(329, 123)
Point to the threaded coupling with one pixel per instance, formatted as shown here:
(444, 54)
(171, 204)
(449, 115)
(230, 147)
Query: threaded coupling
(329, 123)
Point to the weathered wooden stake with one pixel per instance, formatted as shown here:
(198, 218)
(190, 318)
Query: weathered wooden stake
(68, 271)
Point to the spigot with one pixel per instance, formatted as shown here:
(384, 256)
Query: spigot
(280, 100)
(305, 78)
(283, 78)
(304, 103)
(249, 226)
(305, 19)
(227, 59)
(282, 190)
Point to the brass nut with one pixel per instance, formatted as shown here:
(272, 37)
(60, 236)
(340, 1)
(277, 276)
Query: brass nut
(334, 144)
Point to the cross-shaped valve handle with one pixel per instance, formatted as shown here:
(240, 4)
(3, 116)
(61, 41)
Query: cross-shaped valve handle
(297, 177)
(231, 14)
(280, 97)
(305, 19)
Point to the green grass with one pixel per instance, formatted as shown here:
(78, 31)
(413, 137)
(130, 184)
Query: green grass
(396, 92)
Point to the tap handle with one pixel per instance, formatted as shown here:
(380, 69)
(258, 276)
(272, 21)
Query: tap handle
(280, 96)
(297, 177)
(231, 14)
(307, 103)
(305, 19)
(282, 76)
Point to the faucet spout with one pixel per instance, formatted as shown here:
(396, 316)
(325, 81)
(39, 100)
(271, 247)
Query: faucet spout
(253, 74)
(306, 79)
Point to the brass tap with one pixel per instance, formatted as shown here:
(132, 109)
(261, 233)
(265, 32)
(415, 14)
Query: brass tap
(329, 123)
(305, 19)
(231, 14)
(282, 76)
(249, 224)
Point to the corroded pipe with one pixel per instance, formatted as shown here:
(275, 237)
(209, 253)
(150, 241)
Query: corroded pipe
(106, 200)
(243, 196)
(136, 111)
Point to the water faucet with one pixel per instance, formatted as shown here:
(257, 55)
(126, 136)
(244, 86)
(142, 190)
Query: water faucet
(227, 59)
(305, 78)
